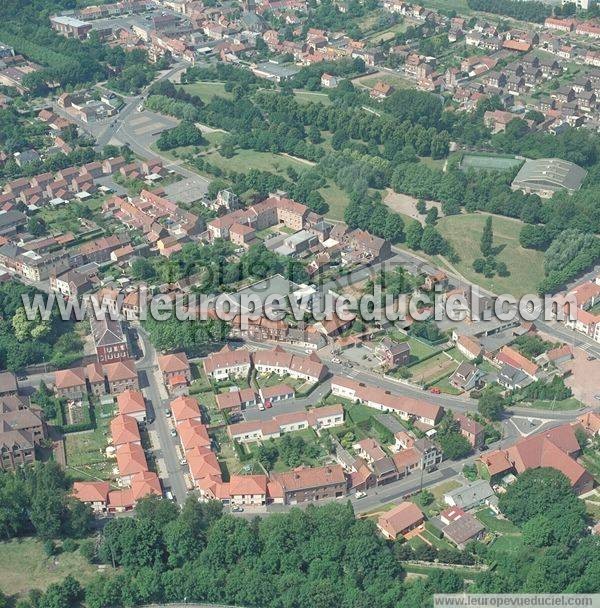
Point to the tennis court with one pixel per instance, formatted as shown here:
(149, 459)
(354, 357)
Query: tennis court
(483, 161)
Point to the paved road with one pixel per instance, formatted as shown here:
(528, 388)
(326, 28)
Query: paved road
(171, 470)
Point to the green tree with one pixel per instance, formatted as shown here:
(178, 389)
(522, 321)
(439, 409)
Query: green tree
(487, 238)
(491, 405)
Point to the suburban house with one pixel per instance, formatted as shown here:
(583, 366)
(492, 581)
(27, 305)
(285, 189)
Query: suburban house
(400, 520)
(121, 375)
(227, 363)
(308, 484)
(109, 339)
(471, 429)
(466, 377)
(258, 430)
(70, 383)
(460, 527)
(175, 370)
(393, 354)
(185, 408)
(22, 428)
(236, 400)
(248, 489)
(469, 496)
(405, 407)
(131, 403)
(557, 448)
(282, 363)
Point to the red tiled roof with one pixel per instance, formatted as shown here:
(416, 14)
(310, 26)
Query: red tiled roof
(69, 378)
(177, 362)
(124, 429)
(405, 515)
(514, 358)
(240, 485)
(91, 491)
(185, 408)
(131, 402)
(120, 370)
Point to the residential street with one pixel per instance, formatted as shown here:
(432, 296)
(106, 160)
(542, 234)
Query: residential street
(170, 470)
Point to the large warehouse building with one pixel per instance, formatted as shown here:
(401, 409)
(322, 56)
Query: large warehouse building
(545, 176)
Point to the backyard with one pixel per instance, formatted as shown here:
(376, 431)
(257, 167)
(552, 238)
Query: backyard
(85, 450)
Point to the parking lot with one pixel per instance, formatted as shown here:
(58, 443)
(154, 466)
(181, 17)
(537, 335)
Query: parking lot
(188, 190)
(583, 380)
(362, 356)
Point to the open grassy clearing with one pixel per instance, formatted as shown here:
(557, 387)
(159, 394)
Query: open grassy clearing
(25, 566)
(525, 265)
(244, 160)
(337, 200)
(508, 544)
(395, 80)
(312, 96)
(389, 33)
(207, 90)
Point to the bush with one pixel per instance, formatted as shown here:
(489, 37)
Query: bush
(69, 545)
(87, 548)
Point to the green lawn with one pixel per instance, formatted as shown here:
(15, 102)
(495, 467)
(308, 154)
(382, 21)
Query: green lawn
(24, 566)
(525, 265)
(244, 160)
(447, 388)
(561, 406)
(440, 543)
(86, 450)
(394, 80)
(508, 544)
(207, 90)
(493, 524)
(337, 200)
(312, 96)
(418, 348)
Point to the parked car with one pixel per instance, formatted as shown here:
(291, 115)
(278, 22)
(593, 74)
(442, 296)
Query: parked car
(436, 390)
(261, 407)
(360, 495)
(167, 412)
(268, 404)
(237, 509)
(173, 433)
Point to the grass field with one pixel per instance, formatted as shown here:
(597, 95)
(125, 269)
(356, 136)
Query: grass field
(314, 96)
(207, 90)
(337, 200)
(483, 161)
(25, 566)
(384, 35)
(525, 265)
(508, 544)
(244, 160)
(433, 368)
(396, 81)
